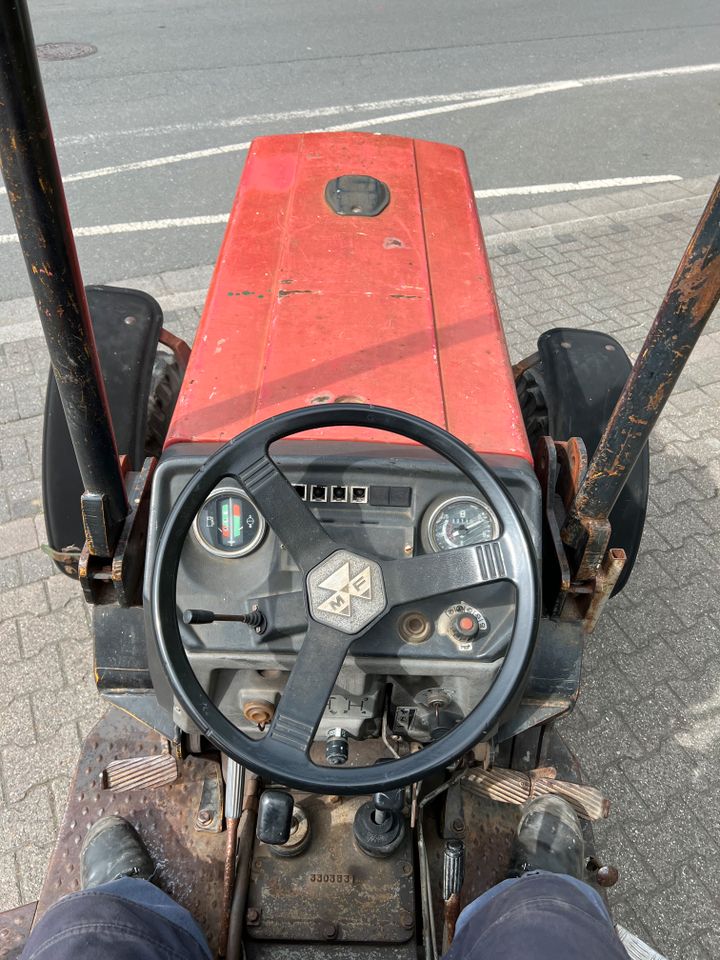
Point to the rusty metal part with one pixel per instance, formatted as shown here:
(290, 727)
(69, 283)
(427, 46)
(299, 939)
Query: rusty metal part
(140, 773)
(332, 881)
(512, 786)
(452, 912)
(607, 576)
(67, 559)
(521, 366)
(691, 297)
(452, 884)
(120, 579)
(260, 712)
(245, 845)
(231, 829)
(189, 862)
(15, 928)
(178, 346)
(37, 198)
(210, 811)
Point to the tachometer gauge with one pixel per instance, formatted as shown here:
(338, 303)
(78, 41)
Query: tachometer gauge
(459, 522)
(228, 524)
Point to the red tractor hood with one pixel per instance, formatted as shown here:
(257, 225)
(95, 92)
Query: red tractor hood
(307, 306)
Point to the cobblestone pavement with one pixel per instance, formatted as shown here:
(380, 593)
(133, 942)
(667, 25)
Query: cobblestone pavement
(647, 728)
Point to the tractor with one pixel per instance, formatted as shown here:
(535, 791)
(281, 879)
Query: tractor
(342, 557)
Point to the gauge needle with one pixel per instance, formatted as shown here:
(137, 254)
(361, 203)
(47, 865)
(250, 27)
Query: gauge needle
(475, 523)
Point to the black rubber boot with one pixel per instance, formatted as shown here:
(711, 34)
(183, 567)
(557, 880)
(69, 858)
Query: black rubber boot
(112, 849)
(548, 837)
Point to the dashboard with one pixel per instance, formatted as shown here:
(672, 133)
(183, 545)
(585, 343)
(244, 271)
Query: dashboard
(421, 669)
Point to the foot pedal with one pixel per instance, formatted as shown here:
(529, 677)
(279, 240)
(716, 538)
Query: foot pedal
(140, 773)
(512, 786)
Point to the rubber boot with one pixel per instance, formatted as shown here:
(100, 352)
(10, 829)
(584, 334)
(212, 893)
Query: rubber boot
(112, 849)
(548, 837)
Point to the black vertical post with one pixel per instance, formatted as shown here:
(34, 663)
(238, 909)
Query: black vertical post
(37, 197)
(688, 304)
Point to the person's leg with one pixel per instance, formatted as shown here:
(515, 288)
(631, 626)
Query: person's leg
(549, 916)
(127, 919)
(544, 903)
(119, 914)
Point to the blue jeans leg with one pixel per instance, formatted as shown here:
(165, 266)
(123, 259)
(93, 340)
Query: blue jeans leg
(126, 919)
(547, 916)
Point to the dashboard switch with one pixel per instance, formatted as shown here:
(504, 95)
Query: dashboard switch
(466, 626)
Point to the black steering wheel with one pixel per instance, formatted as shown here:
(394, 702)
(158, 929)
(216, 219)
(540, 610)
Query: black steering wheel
(375, 585)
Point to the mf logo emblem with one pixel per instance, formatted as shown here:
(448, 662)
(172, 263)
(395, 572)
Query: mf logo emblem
(346, 591)
(344, 587)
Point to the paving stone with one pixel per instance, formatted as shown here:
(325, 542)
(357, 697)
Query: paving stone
(17, 537)
(69, 622)
(31, 766)
(9, 641)
(27, 599)
(25, 499)
(9, 887)
(35, 565)
(30, 675)
(20, 823)
(31, 864)
(10, 575)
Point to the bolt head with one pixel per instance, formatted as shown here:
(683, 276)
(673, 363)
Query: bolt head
(205, 817)
(458, 825)
(329, 930)
(252, 915)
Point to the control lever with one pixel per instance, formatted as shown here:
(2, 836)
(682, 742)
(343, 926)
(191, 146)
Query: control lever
(386, 803)
(274, 819)
(379, 826)
(255, 619)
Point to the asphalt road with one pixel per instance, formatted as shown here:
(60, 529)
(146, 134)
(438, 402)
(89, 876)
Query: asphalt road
(174, 77)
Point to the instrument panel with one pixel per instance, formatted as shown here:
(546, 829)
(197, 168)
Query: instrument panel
(229, 524)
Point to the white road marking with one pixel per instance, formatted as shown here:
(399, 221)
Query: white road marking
(373, 106)
(137, 226)
(488, 97)
(577, 185)
(141, 226)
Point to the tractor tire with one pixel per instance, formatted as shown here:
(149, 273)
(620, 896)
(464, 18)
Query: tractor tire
(533, 406)
(164, 391)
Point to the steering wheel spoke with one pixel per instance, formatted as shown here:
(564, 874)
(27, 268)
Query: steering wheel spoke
(427, 575)
(309, 687)
(285, 512)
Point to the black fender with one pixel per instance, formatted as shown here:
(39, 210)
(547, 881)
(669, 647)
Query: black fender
(575, 382)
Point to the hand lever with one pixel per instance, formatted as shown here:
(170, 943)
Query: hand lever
(254, 619)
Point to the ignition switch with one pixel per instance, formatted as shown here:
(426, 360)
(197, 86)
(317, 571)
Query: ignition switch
(466, 626)
(463, 624)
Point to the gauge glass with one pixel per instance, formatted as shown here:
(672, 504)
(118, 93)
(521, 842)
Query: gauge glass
(461, 522)
(228, 524)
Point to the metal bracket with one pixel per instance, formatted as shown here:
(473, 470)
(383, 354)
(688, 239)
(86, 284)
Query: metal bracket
(589, 575)
(122, 576)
